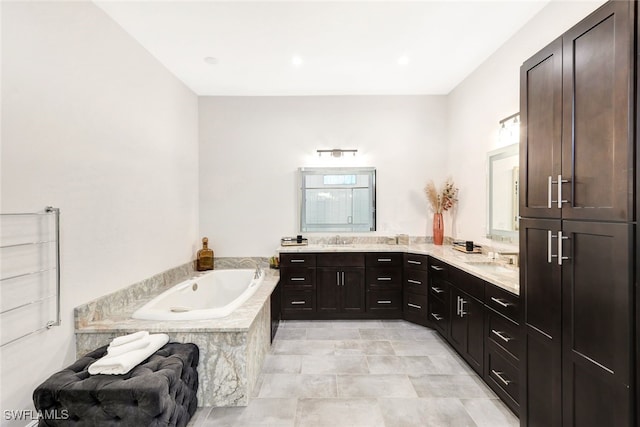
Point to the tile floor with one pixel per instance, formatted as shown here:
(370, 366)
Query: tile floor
(363, 373)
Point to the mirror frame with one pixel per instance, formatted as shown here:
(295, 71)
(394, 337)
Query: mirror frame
(497, 154)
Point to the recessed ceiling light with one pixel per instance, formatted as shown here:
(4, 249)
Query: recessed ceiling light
(403, 60)
(296, 61)
(211, 60)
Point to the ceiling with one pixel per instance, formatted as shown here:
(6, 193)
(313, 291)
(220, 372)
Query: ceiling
(341, 47)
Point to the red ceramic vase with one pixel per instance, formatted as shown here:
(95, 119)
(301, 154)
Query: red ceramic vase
(438, 229)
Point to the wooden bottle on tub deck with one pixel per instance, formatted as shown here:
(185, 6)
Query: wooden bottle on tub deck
(204, 259)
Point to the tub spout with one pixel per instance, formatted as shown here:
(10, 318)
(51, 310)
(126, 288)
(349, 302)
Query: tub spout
(258, 273)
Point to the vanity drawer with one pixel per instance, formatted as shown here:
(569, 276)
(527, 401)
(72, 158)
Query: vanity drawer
(384, 301)
(438, 268)
(439, 315)
(301, 278)
(298, 301)
(503, 302)
(502, 376)
(383, 259)
(439, 289)
(415, 261)
(416, 281)
(384, 278)
(415, 308)
(297, 260)
(503, 332)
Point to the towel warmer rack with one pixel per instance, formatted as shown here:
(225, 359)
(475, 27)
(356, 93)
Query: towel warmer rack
(53, 239)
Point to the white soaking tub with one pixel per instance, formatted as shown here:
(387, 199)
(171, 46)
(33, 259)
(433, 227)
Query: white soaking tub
(210, 296)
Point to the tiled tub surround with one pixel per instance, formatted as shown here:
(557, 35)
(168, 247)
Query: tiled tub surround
(232, 349)
(506, 278)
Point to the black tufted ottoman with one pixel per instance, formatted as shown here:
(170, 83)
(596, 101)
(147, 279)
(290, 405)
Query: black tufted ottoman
(161, 391)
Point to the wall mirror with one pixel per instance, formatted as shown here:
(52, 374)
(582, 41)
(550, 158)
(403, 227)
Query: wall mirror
(337, 199)
(502, 186)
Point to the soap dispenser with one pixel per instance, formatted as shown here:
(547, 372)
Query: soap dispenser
(204, 259)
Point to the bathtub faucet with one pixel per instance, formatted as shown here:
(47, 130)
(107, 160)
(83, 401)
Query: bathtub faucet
(258, 271)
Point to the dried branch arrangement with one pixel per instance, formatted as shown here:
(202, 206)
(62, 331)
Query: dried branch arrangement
(444, 200)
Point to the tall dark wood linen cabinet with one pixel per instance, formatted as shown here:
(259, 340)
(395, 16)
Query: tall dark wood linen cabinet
(577, 231)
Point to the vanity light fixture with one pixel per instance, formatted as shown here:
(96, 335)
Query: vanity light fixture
(336, 152)
(509, 132)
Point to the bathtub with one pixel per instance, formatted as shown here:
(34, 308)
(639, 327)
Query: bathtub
(210, 296)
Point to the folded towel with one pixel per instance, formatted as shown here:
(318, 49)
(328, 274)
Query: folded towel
(130, 346)
(123, 363)
(128, 338)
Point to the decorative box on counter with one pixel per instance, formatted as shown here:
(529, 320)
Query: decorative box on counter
(294, 241)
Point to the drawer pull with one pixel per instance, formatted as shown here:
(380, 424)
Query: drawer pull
(501, 335)
(437, 268)
(414, 282)
(298, 302)
(384, 279)
(500, 377)
(419, 307)
(437, 316)
(297, 260)
(500, 302)
(384, 259)
(384, 302)
(298, 279)
(437, 290)
(410, 261)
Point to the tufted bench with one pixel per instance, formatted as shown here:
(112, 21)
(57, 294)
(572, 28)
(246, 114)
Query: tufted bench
(161, 391)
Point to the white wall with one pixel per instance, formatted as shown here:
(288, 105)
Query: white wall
(489, 94)
(94, 125)
(251, 147)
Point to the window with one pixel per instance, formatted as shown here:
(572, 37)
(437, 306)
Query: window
(337, 199)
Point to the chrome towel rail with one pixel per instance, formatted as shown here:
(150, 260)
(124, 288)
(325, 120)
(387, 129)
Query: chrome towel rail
(51, 240)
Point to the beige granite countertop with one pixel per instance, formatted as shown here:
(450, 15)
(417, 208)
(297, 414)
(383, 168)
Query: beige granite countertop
(238, 321)
(503, 276)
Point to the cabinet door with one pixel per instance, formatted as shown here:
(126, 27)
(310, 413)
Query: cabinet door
(458, 324)
(597, 302)
(467, 328)
(597, 136)
(352, 290)
(541, 293)
(328, 289)
(541, 131)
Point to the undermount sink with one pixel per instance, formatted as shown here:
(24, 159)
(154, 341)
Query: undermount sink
(492, 267)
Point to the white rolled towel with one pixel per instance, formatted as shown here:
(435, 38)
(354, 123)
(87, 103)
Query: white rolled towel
(123, 363)
(128, 338)
(130, 346)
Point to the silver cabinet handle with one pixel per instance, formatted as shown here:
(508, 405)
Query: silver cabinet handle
(419, 307)
(437, 268)
(410, 261)
(337, 278)
(462, 303)
(384, 279)
(384, 259)
(436, 316)
(297, 260)
(437, 290)
(501, 335)
(384, 302)
(499, 301)
(560, 182)
(298, 279)
(457, 306)
(560, 239)
(298, 302)
(500, 377)
(549, 187)
(550, 255)
(343, 278)
(414, 282)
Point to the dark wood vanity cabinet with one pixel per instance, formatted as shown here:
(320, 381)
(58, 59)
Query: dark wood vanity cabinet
(340, 284)
(578, 249)
(298, 286)
(415, 289)
(466, 330)
(383, 282)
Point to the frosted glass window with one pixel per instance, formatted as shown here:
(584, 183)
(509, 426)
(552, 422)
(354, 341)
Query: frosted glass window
(333, 199)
